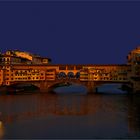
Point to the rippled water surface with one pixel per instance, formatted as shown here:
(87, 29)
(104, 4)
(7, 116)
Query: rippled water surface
(69, 116)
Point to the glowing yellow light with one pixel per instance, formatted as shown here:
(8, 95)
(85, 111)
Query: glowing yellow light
(1, 129)
(0, 124)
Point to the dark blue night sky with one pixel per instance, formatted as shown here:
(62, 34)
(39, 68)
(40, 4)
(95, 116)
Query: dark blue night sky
(71, 32)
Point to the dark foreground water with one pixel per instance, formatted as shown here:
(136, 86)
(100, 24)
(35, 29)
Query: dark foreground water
(69, 116)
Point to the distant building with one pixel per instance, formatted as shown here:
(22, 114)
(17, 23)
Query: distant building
(20, 57)
(134, 56)
(133, 59)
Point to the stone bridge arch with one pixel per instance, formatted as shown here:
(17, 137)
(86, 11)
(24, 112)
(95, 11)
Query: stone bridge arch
(91, 86)
(59, 83)
(35, 83)
(49, 86)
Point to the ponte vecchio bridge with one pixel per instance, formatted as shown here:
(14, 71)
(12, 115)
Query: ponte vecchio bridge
(47, 76)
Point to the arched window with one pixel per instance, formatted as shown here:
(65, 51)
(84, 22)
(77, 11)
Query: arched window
(77, 75)
(8, 59)
(70, 75)
(61, 75)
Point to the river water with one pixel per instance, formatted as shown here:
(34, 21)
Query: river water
(69, 116)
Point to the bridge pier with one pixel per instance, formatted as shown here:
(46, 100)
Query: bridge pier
(91, 87)
(136, 86)
(43, 86)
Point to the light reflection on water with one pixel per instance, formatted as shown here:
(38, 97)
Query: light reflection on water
(1, 129)
(70, 116)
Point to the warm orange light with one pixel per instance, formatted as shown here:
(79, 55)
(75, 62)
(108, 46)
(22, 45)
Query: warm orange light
(1, 129)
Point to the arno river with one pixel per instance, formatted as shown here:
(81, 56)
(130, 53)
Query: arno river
(69, 116)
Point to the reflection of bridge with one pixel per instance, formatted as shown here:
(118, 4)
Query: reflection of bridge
(39, 107)
(44, 105)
